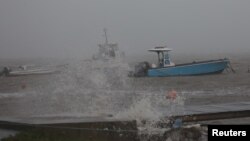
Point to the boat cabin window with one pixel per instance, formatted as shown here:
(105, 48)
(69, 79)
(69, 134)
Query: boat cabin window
(166, 59)
(166, 55)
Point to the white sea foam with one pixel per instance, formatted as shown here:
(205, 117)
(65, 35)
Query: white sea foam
(148, 114)
(142, 110)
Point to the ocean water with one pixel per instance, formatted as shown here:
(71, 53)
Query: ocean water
(93, 89)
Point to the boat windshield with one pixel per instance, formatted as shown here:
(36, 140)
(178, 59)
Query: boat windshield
(166, 59)
(166, 55)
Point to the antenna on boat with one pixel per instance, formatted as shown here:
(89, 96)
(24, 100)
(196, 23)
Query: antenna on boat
(105, 34)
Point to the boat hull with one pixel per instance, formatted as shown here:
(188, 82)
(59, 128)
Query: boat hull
(32, 72)
(195, 68)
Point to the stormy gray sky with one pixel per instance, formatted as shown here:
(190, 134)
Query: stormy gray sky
(68, 28)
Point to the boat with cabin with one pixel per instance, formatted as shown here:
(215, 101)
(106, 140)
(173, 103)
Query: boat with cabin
(108, 51)
(166, 67)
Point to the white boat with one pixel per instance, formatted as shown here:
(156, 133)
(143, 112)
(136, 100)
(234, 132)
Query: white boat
(31, 72)
(26, 70)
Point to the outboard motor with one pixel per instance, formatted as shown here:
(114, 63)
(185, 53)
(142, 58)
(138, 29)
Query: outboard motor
(141, 69)
(5, 71)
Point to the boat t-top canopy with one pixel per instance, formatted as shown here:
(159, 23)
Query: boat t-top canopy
(160, 49)
(163, 56)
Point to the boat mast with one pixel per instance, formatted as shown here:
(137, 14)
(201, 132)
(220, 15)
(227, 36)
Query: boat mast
(105, 34)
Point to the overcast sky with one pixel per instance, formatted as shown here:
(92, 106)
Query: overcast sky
(68, 28)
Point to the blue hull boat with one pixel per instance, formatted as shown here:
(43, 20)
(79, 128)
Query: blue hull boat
(195, 68)
(166, 68)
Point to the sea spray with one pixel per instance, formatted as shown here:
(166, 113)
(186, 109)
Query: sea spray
(96, 89)
(82, 88)
(151, 109)
(145, 115)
